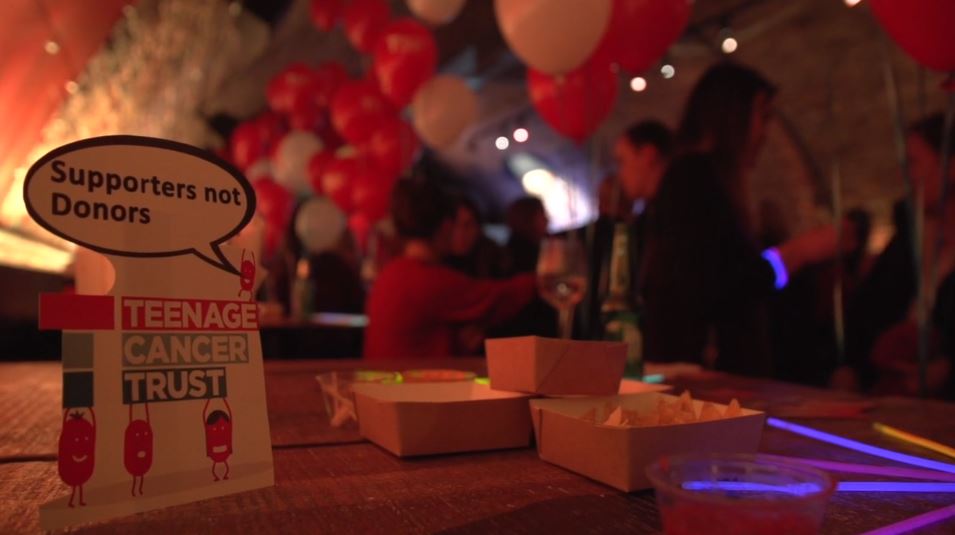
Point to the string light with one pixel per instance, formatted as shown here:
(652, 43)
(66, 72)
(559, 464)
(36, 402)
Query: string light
(51, 47)
(852, 3)
(668, 71)
(638, 84)
(521, 135)
(502, 143)
(72, 87)
(729, 45)
(728, 42)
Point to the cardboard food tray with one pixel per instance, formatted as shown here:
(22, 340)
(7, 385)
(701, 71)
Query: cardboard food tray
(549, 366)
(618, 456)
(430, 418)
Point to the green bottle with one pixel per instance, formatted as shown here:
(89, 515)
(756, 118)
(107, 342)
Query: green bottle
(620, 319)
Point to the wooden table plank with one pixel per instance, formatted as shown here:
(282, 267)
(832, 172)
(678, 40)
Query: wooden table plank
(29, 409)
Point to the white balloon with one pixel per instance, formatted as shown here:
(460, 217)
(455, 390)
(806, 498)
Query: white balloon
(436, 12)
(442, 109)
(319, 224)
(292, 157)
(553, 36)
(262, 168)
(93, 272)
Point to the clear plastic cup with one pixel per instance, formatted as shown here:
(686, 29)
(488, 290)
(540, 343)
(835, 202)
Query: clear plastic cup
(739, 495)
(338, 395)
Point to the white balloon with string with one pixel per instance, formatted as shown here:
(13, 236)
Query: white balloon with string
(443, 108)
(262, 168)
(436, 12)
(290, 163)
(319, 224)
(553, 36)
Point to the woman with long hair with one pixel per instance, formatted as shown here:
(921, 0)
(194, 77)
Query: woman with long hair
(707, 280)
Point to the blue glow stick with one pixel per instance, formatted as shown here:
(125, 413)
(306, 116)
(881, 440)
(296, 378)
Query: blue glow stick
(653, 378)
(893, 486)
(860, 446)
(911, 524)
(804, 489)
(779, 267)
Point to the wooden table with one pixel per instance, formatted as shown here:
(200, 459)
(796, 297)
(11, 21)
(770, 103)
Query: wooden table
(328, 481)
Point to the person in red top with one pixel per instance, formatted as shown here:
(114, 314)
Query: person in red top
(417, 305)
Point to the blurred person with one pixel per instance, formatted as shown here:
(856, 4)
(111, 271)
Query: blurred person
(416, 305)
(334, 275)
(472, 252)
(641, 154)
(706, 281)
(527, 220)
(881, 317)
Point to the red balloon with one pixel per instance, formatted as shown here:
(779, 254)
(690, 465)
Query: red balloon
(925, 29)
(360, 227)
(392, 148)
(325, 13)
(273, 202)
(371, 195)
(244, 145)
(316, 168)
(641, 31)
(405, 57)
(272, 128)
(307, 116)
(357, 110)
(577, 102)
(364, 20)
(289, 87)
(326, 80)
(337, 179)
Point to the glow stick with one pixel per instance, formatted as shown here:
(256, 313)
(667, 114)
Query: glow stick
(804, 489)
(914, 439)
(779, 267)
(916, 522)
(893, 486)
(653, 379)
(859, 446)
(887, 471)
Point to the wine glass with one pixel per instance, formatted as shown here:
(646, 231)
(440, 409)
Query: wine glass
(562, 278)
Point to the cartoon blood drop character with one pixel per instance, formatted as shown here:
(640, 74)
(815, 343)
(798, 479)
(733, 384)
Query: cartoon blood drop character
(138, 448)
(218, 436)
(247, 276)
(77, 450)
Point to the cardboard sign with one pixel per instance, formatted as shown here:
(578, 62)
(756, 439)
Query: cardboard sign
(163, 383)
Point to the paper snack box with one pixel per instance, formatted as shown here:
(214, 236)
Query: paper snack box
(428, 418)
(618, 455)
(549, 366)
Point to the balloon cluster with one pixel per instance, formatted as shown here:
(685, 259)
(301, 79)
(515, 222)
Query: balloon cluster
(575, 49)
(925, 29)
(340, 143)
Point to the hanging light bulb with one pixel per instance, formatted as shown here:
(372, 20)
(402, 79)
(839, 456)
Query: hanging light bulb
(502, 143)
(852, 3)
(668, 71)
(728, 42)
(51, 47)
(638, 84)
(521, 135)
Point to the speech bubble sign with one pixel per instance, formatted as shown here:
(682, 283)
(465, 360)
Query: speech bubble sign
(141, 197)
